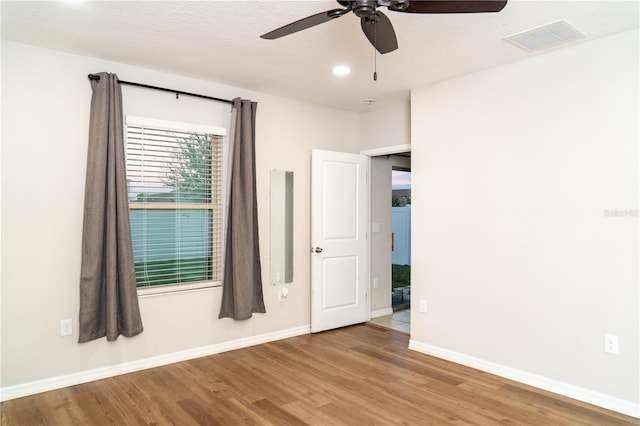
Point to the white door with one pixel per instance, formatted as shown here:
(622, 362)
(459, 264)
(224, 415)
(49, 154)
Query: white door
(340, 247)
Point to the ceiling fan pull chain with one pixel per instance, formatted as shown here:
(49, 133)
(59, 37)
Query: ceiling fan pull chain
(375, 52)
(375, 69)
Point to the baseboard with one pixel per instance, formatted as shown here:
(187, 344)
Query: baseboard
(381, 312)
(17, 391)
(585, 395)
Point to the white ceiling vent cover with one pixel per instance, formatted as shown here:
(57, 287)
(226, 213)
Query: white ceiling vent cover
(545, 36)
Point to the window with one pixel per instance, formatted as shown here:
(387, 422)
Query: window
(174, 178)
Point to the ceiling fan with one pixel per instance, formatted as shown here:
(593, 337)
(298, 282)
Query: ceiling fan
(375, 24)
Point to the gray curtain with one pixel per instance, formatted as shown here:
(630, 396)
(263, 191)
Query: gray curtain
(108, 295)
(242, 282)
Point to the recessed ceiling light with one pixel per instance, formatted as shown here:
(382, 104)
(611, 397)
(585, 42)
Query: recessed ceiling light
(341, 70)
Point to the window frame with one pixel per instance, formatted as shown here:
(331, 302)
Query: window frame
(167, 125)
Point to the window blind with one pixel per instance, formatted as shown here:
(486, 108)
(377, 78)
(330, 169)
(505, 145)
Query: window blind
(174, 179)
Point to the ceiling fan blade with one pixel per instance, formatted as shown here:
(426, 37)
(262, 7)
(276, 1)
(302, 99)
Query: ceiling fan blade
(454, 6)
(304, 23)
(380, 33)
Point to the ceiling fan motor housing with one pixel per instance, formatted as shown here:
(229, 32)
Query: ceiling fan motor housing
(364, 8)
(367, 8)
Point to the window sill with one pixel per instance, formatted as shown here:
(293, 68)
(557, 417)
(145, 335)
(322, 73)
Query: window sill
(177, 288)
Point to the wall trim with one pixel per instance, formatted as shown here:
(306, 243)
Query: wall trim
(381, 312)
(31, 388)
(395, 149)
(581, 394)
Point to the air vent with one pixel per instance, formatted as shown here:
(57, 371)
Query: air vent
(545, 36)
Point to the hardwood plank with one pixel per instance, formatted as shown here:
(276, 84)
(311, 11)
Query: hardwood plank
(200, 414)
(359, 375)
(274, 413)
(24, 411)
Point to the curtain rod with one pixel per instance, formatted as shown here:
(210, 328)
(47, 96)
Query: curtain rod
(177, 92)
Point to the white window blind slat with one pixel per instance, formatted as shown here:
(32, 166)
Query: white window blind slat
(183, 170)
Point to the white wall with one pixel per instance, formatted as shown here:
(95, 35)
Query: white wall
(386, 126)
(381, 241)
(514, 170)
(45, 116)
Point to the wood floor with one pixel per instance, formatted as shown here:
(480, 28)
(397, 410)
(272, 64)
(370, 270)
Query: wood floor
(360, 375)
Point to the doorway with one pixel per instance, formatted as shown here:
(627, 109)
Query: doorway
(390, 246)
(400, 239)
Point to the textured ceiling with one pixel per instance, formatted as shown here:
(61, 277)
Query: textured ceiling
(219, 41)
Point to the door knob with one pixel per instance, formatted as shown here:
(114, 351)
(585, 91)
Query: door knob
(318, 250)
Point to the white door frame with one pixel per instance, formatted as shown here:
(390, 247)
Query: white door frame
(386, 150)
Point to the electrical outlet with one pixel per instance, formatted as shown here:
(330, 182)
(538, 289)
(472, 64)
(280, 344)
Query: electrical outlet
(376, 283)
(66, 327)
(611, 344)
(423, 306)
